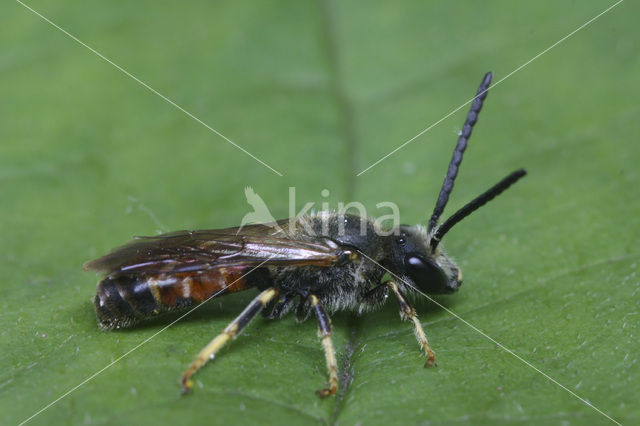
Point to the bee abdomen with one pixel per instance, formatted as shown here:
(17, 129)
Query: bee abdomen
(123, 300)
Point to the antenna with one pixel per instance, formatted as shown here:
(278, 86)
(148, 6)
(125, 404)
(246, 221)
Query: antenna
(465, 134)
(475, 204)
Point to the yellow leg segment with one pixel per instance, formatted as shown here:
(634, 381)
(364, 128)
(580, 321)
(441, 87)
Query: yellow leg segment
(332, 367)
(407, 312)
(324, 331)
(229, 333)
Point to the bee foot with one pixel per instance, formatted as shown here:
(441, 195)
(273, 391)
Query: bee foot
(323, 393)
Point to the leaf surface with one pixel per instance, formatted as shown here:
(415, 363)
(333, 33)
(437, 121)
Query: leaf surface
(320, 91)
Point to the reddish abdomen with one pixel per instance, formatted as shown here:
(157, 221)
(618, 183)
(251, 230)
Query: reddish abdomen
(123, 300)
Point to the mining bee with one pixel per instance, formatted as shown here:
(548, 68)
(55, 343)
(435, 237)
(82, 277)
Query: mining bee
(315, 263)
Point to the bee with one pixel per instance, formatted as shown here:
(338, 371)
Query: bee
(318, 263)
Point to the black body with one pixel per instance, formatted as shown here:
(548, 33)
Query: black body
(329, 259)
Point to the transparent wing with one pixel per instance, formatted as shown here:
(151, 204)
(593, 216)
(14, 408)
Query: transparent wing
(185, 251)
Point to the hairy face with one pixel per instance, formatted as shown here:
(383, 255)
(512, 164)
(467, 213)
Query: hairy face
(430, 270)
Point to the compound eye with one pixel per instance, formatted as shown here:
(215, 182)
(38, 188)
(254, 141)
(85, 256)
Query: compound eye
(427, 275)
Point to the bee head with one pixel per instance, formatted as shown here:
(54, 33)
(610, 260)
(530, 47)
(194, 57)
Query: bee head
(415, 255)
(428, 269)
(415, 251)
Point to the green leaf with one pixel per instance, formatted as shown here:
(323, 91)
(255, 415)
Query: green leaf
(319, 91)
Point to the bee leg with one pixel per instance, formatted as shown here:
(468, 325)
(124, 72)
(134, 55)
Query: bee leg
(283, 303)
(324, 331)
(374, 297)
(230, 332)
(407, 312)
(302, 310)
